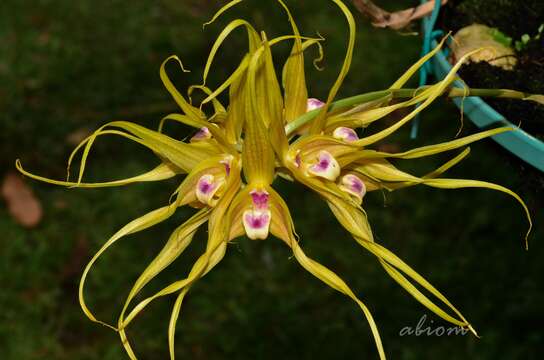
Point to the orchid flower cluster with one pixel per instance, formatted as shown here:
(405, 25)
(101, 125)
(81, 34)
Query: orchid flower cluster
(270, 131)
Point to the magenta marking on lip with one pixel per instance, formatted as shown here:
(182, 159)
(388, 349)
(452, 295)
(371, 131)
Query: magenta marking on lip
(326, 166)
(298, 160)
(205, 187)
(357, 186)
(259, 198)
(257, 220)
(226, 163)
(227, 168)
(323, 163)
(227, 160)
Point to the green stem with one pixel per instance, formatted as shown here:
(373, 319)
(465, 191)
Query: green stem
(400, 94)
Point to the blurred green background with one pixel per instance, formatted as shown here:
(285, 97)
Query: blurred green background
(68, 66)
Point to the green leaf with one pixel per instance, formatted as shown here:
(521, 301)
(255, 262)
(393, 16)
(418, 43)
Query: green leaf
(501, 37)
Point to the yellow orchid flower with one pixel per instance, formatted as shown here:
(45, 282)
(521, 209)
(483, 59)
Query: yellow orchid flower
(233, 159)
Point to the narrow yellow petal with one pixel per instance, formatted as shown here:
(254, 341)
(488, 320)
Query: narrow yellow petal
(152, 218)
(237, 102)
(218, 230)
(265, 89)
(257, 153)
(319, 122)
(265, 97)
(205, 263)
(216, 132)
(391, 263)
(374, 113)
(434, 91)
(412, 70)
(173, 321)
(405, 181)
(283, 228)
(294, 81)
(220, 12)
(229, 83)
(464, 183)
(381, 169)
(182, 155)
(187, 108)
(441, 147)
(176, 244)
(253, 40)
(219, 109)
(448, 165)
(355, 221)
(334, 281)
(161, 172)
(359, 116)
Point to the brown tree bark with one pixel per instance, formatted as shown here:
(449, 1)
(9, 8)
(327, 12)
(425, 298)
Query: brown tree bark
(395, 20)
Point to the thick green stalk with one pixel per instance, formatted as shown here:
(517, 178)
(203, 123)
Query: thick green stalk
(401, 94)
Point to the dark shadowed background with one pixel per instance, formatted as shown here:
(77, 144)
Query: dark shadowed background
(67, 67)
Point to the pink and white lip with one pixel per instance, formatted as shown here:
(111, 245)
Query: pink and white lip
(313, 104)
(353, 185)
(202, 134)
(256, 220)
(206, 187)
(257, 224)
(345, 133)
(326, 166)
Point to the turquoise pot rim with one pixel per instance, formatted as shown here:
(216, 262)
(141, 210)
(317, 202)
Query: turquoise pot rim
(518, 142)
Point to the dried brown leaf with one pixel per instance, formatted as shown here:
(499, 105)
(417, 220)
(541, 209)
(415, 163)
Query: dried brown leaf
(25, 208)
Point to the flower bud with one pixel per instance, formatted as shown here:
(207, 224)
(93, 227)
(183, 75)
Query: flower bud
(314, 104)
(345, 133)
(353, 185)
(202, 134)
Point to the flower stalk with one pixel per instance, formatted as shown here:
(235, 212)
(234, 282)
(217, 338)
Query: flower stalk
(407, 93)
